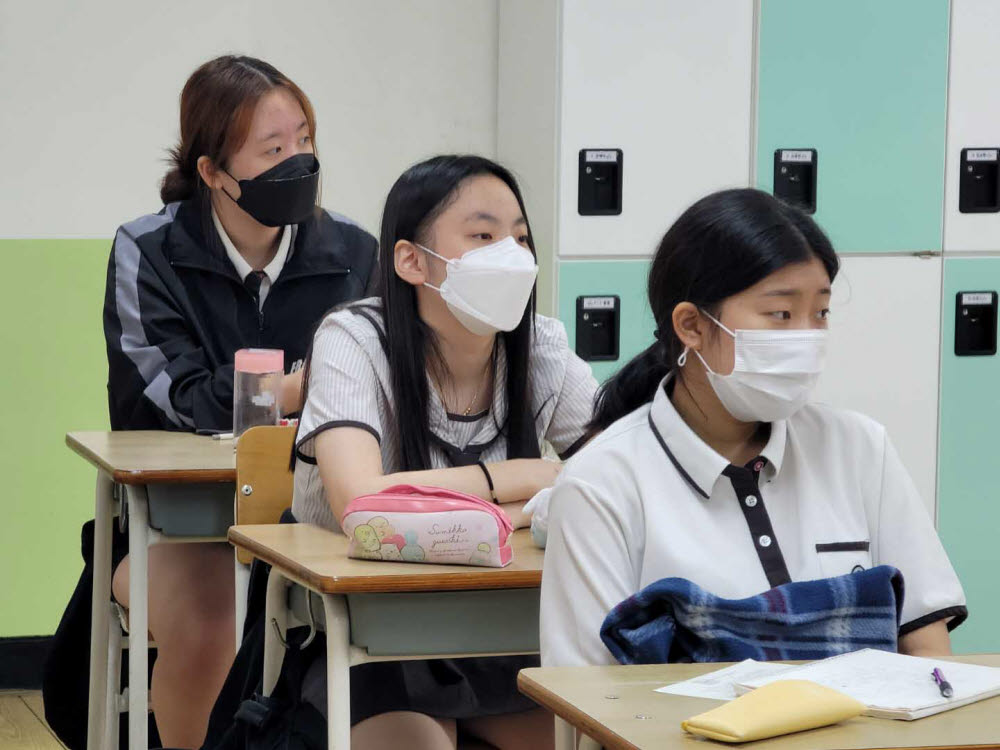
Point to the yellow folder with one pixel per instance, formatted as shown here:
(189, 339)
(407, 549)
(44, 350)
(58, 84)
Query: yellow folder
(779, 708)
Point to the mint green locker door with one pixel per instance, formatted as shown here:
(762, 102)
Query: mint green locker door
(864, 83)
(968, 490)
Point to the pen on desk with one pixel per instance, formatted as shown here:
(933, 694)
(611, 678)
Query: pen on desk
(943, 685)
(222, 436)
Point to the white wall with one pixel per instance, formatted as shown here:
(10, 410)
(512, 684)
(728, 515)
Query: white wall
(668, 82)
(973, 116)
(885, 333)
(528, 121)
(90, 96)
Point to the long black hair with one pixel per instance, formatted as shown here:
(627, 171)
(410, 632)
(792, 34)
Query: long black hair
(416, 199)
(722, 245)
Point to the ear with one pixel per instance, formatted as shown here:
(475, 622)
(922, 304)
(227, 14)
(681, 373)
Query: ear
(689, 325)
(410, 263)
(210, 174)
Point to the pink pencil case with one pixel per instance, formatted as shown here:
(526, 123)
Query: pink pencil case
(429, 525)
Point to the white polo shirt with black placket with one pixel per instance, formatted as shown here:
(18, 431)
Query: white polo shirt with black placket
(258, 282)
(648, 499)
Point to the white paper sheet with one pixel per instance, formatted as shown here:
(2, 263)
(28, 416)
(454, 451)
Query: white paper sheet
(721, 683)
(894, 685)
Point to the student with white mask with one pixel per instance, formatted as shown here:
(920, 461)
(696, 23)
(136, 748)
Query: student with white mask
(446, 379)
(714, 467)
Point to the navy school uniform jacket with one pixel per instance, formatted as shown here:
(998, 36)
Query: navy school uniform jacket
(176, 311)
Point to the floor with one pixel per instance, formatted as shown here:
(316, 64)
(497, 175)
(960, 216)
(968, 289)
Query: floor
(22, 723)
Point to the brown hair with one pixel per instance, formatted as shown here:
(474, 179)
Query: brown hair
(217, 107)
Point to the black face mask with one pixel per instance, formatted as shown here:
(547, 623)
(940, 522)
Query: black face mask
(284, 194)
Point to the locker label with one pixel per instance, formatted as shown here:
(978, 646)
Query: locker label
(797, 156)
(611, 156)
(599, 303)
(977, 299)
(981, 154)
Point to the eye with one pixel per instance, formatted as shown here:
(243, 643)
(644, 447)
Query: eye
(306, 139)
(523, 239)
(823, 314)
(274, 151)
(781, 315)
(483, 236)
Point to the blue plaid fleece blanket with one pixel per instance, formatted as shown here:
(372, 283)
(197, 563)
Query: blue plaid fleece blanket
(674, 620)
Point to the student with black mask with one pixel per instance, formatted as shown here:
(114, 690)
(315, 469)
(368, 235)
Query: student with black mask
(240, 256)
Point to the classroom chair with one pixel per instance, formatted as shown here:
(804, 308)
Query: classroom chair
(263, 492)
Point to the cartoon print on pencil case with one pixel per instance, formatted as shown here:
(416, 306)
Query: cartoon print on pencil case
(368, 546)
(391, 546)
(391, 552)
(412, 552)
(480, 555)
(382, 527)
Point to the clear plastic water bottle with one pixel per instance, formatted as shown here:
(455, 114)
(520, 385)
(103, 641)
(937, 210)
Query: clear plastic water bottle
(256, 388)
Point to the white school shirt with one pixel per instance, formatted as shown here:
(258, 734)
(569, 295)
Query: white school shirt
(648, 499)
(350, 386)
(271, 271)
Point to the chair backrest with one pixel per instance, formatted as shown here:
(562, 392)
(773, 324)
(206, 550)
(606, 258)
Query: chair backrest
(263, 477)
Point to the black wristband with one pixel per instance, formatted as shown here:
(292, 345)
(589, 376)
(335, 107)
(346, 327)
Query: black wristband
(489, 481)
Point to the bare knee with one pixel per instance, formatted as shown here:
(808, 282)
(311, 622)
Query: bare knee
(191, 600)
(199, 630)
(417, 731)
(119, 583)
(534, 729)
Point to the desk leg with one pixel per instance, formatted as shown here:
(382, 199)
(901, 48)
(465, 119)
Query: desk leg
(138, 631)
(112, 701)
(242, 578)
(100, 620)
(565, 735)
(338, 672)
(275, 610)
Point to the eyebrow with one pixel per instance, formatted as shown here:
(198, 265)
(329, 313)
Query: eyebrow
(276, 133)
(793, 292)
(483, 216)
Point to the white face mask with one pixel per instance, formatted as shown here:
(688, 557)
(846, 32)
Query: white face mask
(773, 375)
(488, 288)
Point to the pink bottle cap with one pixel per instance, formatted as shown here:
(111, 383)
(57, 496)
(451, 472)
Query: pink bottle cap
(260, 361)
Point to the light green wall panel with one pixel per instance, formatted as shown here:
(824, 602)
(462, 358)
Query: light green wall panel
(864, 82)
(969, 497)
(627, 279)
(52, 380)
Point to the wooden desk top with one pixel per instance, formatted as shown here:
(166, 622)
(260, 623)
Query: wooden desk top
(318, 558)
(157, 457)
(580, 696)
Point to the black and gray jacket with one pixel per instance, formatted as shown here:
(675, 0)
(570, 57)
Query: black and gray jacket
(176, 311)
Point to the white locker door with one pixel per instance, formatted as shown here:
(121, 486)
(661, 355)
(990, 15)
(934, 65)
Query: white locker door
(668, 82)
(885, 333)
(973, 116)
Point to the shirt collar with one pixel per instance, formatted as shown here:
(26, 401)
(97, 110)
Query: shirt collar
(495, 421)
(698, 463)
(272, 269)
(774, 451)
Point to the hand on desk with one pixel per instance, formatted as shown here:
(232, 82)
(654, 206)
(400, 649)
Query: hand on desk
(523, 478)
(291, 393)
(517, 515)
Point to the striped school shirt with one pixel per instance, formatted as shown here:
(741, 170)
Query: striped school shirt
(350, 386)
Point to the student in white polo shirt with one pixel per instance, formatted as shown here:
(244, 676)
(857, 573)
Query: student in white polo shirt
(714, 467)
